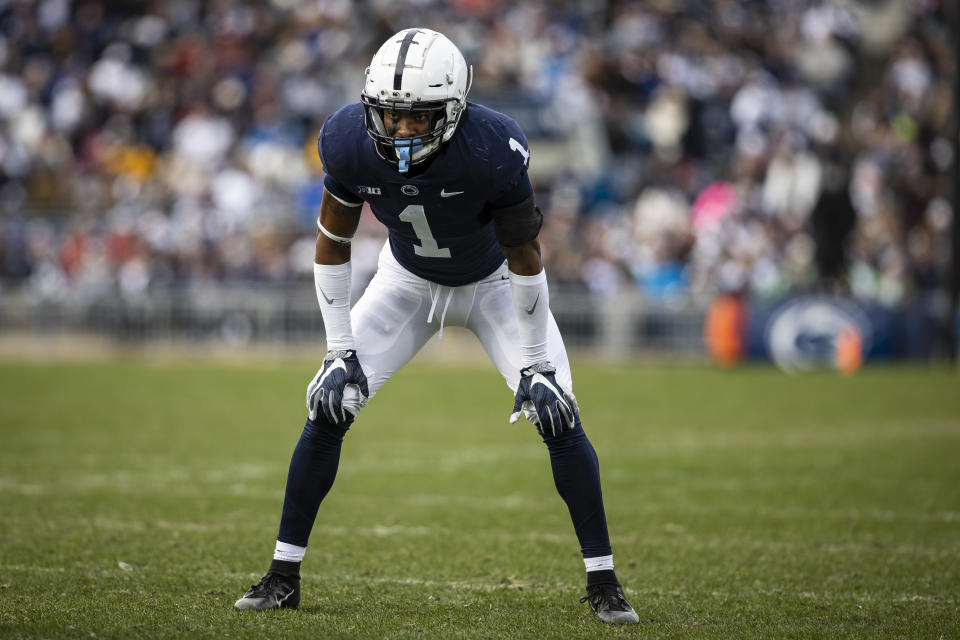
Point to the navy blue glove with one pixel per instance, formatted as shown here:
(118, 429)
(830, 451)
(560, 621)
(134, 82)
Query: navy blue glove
(340, 377)
(543, 402)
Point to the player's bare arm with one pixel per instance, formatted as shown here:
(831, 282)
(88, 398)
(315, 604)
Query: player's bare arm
(524, 260)
(339, 220)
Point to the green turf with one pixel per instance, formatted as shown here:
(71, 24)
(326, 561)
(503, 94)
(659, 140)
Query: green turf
(139, 501)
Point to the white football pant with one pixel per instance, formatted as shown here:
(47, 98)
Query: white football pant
(399, 312)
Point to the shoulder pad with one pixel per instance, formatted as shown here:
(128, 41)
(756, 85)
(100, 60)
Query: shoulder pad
(503, 141)
(340, 140)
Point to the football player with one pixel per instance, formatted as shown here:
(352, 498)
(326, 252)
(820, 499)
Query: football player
(449, 180)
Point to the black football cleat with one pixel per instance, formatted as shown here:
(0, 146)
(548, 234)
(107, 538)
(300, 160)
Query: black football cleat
(274, 591)
(609, 604)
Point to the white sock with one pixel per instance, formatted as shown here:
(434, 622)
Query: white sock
(288, 552)
(599, 564)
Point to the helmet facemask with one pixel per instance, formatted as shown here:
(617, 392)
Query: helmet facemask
(418, 71)
(405, 152)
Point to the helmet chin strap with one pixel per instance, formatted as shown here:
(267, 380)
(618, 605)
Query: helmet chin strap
(404, 152)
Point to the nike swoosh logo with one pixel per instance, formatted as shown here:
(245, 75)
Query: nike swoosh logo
(538, 378)
(531, 309)
(447, 194)
(280, 601)
(329, 300)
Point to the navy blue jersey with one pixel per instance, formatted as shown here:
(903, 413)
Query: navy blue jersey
(438, 220)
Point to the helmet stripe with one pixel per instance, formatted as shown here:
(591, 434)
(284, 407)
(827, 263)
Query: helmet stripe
(402, 58)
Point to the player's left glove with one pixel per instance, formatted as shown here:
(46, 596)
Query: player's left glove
(325, 393)
(543, 402)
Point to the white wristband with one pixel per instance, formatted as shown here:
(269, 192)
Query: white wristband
(333, 295)
(531, 300)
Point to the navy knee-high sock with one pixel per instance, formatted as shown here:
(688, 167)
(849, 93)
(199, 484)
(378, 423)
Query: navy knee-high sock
(576, 474)
(313, 468)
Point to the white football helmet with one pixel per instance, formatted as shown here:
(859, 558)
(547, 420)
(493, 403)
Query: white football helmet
(415, 70)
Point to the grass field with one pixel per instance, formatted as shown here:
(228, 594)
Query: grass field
(140, 500)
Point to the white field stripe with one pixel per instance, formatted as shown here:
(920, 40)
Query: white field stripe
(34, 569)
(383, 531)
(674, 536)
(134, 481)
(768, 545)
(453, 461)
(806, 513)
(511, 583)
(856, 434)
(465, 585)
(508, 502)
(129, 483)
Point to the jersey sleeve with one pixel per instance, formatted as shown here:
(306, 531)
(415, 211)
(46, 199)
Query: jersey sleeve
(511, 159)
(517, 192)
(340, 192)
(330, 148)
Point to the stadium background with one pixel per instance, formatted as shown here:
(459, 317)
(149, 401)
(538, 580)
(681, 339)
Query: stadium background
(704, 166)
(158, 174)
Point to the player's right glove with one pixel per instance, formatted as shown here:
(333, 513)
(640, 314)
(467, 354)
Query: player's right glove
(543, 402)
(326, 391)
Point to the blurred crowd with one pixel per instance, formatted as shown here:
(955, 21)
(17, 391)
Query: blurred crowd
(688, 146)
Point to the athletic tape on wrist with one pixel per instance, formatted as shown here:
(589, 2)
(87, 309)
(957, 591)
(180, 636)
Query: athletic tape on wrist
(333, 236)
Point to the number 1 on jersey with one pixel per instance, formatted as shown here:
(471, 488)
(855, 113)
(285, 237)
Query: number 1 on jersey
(428, 248)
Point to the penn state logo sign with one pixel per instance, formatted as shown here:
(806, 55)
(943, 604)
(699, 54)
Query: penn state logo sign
(818, 332)
(409, 190)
